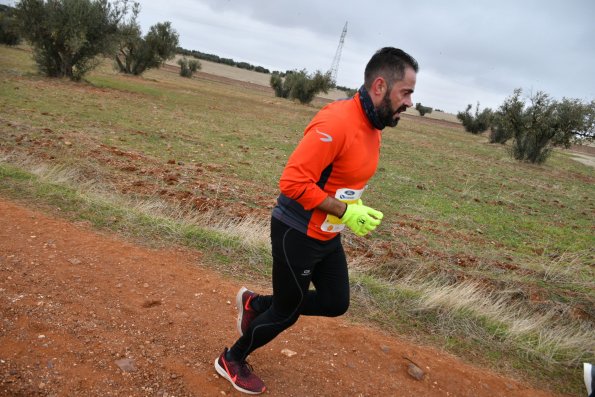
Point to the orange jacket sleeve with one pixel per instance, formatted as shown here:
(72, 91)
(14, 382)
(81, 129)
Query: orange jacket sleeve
(321, 144)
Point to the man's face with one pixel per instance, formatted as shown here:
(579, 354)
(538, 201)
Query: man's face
(397, 99)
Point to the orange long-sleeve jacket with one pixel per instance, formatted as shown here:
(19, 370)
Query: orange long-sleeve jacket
(336, 157)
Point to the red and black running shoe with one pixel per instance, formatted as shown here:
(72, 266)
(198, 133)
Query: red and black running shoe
(239, 374)
(246, 314)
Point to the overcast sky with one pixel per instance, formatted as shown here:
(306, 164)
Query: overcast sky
(468, 51)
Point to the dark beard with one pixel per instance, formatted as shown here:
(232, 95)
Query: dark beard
(385, 112)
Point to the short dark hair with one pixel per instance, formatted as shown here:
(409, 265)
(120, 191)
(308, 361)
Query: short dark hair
(389, 63)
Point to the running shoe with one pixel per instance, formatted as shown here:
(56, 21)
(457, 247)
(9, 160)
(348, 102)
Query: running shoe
(589, 372)
(239, 373)
(246, 314)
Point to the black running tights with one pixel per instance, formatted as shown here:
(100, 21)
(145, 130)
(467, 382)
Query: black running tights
(297, 261)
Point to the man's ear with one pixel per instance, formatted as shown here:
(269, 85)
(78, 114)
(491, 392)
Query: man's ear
(379, 86)
(378, 89)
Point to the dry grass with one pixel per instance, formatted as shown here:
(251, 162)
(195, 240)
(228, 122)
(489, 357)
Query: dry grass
(568, 268)
(252, 233)
(537, 333)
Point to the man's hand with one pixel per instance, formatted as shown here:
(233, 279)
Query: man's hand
(361, 219)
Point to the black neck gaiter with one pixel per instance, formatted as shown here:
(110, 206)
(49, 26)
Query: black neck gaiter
(369, 108)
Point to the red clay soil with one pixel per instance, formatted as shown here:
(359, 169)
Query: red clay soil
(88, 314)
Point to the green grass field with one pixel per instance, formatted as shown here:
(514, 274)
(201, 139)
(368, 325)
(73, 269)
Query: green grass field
(486, 257)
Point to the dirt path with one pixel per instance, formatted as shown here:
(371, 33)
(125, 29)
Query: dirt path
(78, 306)
(586, 159)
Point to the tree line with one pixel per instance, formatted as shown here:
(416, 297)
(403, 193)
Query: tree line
(534, 125)
(224, 61)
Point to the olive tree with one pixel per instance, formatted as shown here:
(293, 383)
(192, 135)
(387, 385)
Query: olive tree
(67, 36)
(477, 123)
(423, 110)
(300, 85)
(541, 124)
(188, 67)
(136, 54)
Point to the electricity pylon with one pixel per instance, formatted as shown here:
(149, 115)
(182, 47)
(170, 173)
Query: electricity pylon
(335, 65)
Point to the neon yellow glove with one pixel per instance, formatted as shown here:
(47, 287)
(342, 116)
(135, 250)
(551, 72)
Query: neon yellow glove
(361, 219)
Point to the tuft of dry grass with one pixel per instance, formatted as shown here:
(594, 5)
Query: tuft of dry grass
(253, 232)
(541, 334)
(568, 268)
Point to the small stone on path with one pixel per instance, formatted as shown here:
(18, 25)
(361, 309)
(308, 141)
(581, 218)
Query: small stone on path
(288, 353)
(126, 365)
(415, 371)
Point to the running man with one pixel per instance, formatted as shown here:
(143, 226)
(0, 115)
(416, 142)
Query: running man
(321, 193)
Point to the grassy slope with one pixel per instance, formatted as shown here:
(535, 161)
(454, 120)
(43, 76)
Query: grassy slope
(470, 235)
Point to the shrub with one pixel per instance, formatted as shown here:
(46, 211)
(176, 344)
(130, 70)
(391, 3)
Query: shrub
(477, 123)
(300, 85)
(276, 82)
(423, 110)
(188, 67)
(261, 69)
(9, 33)
(349, 92)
